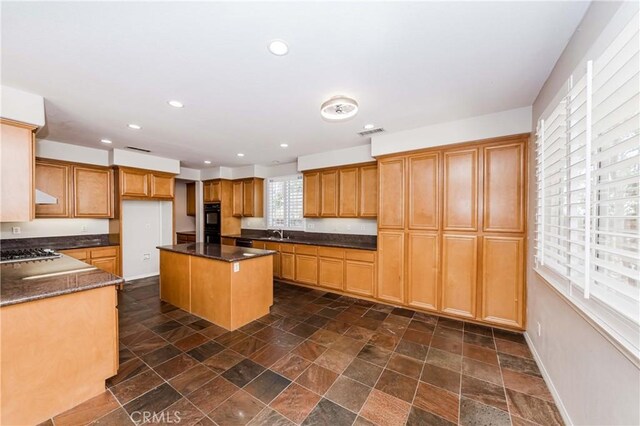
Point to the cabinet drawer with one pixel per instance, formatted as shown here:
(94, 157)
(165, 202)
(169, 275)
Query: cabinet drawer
(361, 255)
(272, 246)
(226, 241)
(287, 248)
(307, 250)
(80, 254)
(258, 245)
(335, 253)
(97, 253)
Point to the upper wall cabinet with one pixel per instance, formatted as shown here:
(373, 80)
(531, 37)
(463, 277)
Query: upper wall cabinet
(424, 191)
(238, 201)
(92, 192)
(248, 197)
(504, 174)
(54, 179)
(191, 199)
(350, 191)
(16, 171)
(212, 191)
(391, 185)
(461, 190)
(137, 183)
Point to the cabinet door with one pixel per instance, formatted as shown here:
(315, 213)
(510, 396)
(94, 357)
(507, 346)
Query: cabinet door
(191, 199)
(53, 179)
(504, 185)
(258, 245)
(360, 277)
(307, 269)
(247, 198)
(391, 185)
(503, 280)
(80, 254)
(287, 268)
(424, 191)
(228, 241)
(162, 186)
(391, 266)
(331, 272)
(329, 193)
(348, 193)
(216, 190)
(368, 191)
(422, 270)
(92, 192)
(461, 190)
(134, 183)
(16, 171)
(207, 197)
(175, 285)
(459, 274)
(107, 264)
(238, 201)
(276, 257)
(311, 194)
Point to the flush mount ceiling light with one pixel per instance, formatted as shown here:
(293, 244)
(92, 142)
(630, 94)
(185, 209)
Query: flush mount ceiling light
(339, 108)
(207, 162)
(369, 126)
(134, 126)
(284, 145)
(240, 154)
(106, 141)
(278, 47)
(176, 104)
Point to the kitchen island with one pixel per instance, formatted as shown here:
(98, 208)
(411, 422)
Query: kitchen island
(229, 286)
(59, 333)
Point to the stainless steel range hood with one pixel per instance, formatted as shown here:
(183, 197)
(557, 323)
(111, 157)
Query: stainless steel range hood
(44, 198)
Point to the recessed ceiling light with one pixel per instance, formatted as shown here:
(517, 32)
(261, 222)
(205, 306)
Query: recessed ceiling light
(284, 145)
(369, 126)
(105, 141)
(134, 126)
(278, 47)
(207, 162)
(240, 154)
(175, 104)
(339, 108)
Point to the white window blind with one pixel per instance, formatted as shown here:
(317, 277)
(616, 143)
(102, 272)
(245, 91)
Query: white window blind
(588, 189)
(284, 203)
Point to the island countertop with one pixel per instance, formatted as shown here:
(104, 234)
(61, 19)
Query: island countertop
(217, 251)
(26, 281)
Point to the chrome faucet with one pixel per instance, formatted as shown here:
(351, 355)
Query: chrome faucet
(280, 232)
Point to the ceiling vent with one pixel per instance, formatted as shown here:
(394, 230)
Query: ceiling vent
(133, 148)
(371, 132)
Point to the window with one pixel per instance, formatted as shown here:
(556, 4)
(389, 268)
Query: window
(284, 203)
(588, 190)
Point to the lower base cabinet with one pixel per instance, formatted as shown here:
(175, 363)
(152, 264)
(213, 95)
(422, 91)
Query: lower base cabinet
(306, 269)
(391, 266)
(105, 258)
(331, 273)
(459, 275)
(287, 265)
(359, 277)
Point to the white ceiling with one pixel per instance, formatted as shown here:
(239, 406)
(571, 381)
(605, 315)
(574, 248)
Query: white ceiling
(101, 65)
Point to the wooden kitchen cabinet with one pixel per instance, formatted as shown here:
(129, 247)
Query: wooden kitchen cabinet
(423, 262)
(106, 258)
(17, 156)
(253, 197)
(225, 241)
(238, 200)
(459, 274)
(329, 193)
(331, 267)
(54, 179)
(368, 191)
(287, 265)
(185, 237)
(141, 184)
(461, 190)
(162, 186)
(174, 282)
(306, 269)
(92, 192)
(134, 183)
(391, 193)
(276, 258)
(391, 266)
(424, 191)
(191, 199)
(360, 272)
(212, 191)
(311, 194)
(348, 192)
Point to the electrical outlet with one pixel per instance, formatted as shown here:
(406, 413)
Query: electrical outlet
(236, 267)
(15, 230)
(146, 256)
(310, 226)
(539, 329)
(83, 228)
(348, 227)
(363, 228)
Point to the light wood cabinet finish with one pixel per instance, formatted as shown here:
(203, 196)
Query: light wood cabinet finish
(16, 172)
(360, 277)
(106, 258)
(459, 274)
(162, 186)
(423, 260)
(288, 266)
(252, 197)
(228, 241)
(503, 280)
(276, 258)
(368, 191)
(142, 184)
(175, 279)
(329, 193)
(311, 194)
(92, 192)
(391, 266)
(504, 171)
(306, 269)
(424, 191)
(191, 199)
(134, 183)
(348, 191)
(461, 190)
(54, 179)
(391, 192)
(109, 264)
(238, 200)
(212, 191)
(331, 273)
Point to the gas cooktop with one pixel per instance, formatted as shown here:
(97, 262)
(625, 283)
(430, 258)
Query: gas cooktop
(25, 255)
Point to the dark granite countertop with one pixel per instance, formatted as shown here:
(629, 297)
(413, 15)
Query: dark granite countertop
(217, 251)
(360, 242)
(60, 243)
(27, 281)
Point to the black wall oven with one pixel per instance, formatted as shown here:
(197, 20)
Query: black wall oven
(212, 223)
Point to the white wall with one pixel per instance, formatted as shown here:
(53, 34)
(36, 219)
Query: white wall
(338, 157)
(145, 225)
(183, 222)
(21, 106)
(503, 123)
(66, 152)
(54, 228)
(593, 381)
(324, 225)
(121, 157)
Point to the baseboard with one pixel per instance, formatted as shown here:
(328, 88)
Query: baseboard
(545, 375)
(137, 277)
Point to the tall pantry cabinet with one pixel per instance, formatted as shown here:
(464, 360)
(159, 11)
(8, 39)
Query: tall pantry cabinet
(451, 230)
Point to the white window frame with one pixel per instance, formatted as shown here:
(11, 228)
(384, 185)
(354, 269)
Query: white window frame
(287, 209)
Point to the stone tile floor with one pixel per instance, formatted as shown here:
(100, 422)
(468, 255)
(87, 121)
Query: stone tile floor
(317, 359)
